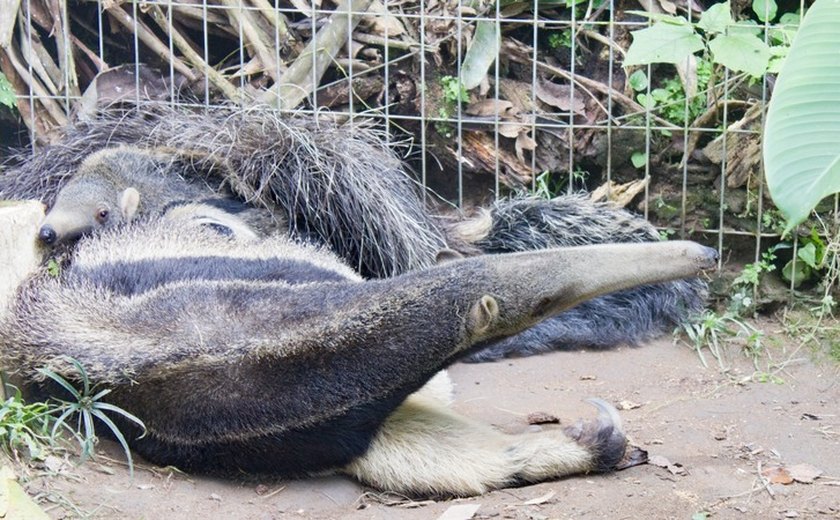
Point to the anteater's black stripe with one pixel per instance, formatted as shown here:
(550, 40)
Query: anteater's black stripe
(129, 278)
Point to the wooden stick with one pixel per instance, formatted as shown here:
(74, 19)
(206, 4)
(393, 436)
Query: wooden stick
(149, 38)
(35, 87)
(252, 32)
(277, 19)
(302, 77)
(219, 81)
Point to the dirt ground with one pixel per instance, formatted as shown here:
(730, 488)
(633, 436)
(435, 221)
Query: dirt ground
(718, 430)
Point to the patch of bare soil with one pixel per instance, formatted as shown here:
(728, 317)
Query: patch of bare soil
(713, 434)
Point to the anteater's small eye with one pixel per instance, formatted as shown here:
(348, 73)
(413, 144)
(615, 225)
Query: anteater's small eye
(102, 215)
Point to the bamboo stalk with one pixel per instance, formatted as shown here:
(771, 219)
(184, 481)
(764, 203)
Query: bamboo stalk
(36, 55)
(66, 61)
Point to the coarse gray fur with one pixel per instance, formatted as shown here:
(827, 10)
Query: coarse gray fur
(338, 186)
(343, 188)
(273, 356)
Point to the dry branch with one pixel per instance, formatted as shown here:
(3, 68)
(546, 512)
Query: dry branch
(149, 39)
(219, 81)
(301, 78)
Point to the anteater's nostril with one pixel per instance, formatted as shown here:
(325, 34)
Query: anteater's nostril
(47, 235)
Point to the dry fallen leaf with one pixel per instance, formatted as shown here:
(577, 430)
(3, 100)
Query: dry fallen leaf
(674, 467)
(777, 475)
(659, 460)
(523, 142)
(491, 107)
(559, 96)
(460, 512)
(540, 500)
(628, 405)
(804, 473)
(512, 130)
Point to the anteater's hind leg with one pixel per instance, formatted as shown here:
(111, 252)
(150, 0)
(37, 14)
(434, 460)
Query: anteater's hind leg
(424, 449)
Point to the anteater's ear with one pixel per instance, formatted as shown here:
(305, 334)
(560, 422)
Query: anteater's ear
(129, 203)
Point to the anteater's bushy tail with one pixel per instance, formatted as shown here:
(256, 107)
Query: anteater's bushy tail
(342, 187)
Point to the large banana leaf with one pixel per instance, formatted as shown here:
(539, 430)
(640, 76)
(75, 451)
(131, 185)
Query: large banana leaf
(802, 134)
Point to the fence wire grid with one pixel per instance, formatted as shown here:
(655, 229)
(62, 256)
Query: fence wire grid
(543, 104)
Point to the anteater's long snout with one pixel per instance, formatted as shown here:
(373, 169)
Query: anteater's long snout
(707, 257)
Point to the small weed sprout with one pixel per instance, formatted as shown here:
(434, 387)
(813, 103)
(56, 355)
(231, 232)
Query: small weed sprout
(712, 330)
(26, 426)
(88, 406)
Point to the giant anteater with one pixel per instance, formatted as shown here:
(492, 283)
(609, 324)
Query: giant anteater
(271, 355)
(337, 187)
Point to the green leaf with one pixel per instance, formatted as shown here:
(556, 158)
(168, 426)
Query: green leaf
(790, 19)
(667, 41)
(764, 9)
(7, 93)
(646, 101)
(750, 27)
(639, 159)
(716, 18)
(638, 80)
(801, 136)
(808, 254)
(741, 52)
(801, 274)
(61, 381)
(481, 54)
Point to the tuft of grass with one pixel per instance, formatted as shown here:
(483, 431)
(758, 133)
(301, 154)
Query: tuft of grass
(86, 406)
(711, 331)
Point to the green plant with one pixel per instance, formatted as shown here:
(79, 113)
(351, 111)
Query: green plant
(453, 90)
(810, 258)
(453, 93)
(7, 93)
(745, 285)
(801, 156)
(557, 39)
(26, 426)
(716, 36)
(711, 330)
(548, 186)
(53, 268)
(669, 98)
(87, 406)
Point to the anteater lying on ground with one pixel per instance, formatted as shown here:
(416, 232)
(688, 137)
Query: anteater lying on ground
(248, 354)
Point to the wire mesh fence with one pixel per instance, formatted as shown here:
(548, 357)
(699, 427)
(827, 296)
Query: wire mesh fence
(494, 96)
